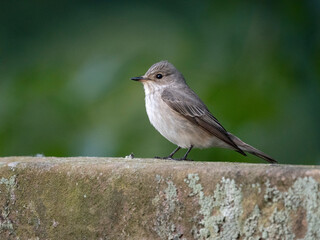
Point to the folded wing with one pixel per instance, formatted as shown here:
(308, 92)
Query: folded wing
(192, 108)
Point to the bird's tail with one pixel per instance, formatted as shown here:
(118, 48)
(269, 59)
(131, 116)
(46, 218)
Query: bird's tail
(247, 148)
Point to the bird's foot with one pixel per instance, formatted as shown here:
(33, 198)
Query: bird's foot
(175, 159)
(182, 159)
(169, 158)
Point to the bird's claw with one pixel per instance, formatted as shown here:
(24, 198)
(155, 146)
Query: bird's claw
(175, 159)
(168, 158)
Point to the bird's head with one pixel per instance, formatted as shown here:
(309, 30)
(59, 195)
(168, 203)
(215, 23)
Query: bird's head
(161, 73)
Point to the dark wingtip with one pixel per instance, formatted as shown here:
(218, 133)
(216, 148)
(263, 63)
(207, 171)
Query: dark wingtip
(241, 152)
(271, 160)
(265, 157)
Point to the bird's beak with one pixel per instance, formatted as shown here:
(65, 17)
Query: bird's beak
(139, 79)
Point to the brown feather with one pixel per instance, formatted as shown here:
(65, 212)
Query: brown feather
(246, 147)
(197, 113)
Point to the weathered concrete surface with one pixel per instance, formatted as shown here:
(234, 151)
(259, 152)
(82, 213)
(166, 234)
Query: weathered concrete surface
(105, 198)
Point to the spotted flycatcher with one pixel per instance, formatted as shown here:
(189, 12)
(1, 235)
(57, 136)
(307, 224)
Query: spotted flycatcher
(182, 118)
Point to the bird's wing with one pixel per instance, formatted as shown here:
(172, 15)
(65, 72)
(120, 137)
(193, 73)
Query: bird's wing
(192, 108)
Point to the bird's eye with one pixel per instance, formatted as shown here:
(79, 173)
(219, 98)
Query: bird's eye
(159, 76)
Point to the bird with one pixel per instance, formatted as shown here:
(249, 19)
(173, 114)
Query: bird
(179, 115)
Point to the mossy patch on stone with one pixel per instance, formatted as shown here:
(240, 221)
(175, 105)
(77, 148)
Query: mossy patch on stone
(92, 198)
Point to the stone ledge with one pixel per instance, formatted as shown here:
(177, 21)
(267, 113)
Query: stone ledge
(116, 198)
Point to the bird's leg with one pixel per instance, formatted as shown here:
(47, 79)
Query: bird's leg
(174, 152)
(185, 156)
(171, 154)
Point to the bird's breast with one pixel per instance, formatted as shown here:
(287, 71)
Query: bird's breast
(174, 127)
(156, 110)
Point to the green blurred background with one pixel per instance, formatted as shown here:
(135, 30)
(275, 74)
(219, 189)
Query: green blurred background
(65, 69)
